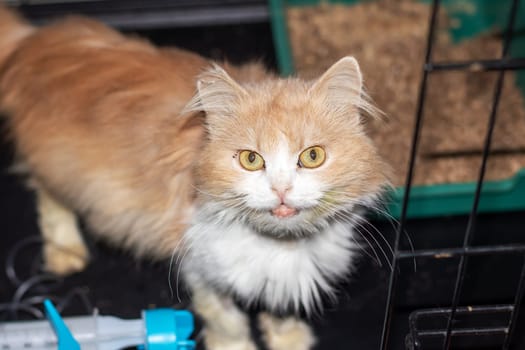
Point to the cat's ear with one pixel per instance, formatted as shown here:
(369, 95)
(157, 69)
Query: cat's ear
(341, 86)
(217, 93)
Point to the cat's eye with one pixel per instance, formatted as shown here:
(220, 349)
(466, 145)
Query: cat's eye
(312, 157)
(251, 160)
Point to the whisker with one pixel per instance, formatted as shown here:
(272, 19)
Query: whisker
(380, 208)
(177, 278)
(380, 234)
(356, 221)
(374, 257)
(172, 258)
(208, 194)
(391, 219)
(347, 218)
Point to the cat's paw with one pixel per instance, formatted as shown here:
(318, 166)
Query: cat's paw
(285, 333)
(63, 261)
(216, 341)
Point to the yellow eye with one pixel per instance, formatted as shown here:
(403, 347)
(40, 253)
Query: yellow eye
(312, 157)
(251, 160)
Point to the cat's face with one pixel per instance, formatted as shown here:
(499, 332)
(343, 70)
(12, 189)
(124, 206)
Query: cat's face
(284, 155)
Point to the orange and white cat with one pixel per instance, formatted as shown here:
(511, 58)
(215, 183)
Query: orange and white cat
(254, 179)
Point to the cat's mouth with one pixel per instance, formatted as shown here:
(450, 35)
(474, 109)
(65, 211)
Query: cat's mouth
(284, 211)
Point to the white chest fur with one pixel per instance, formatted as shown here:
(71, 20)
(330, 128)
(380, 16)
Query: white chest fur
(256, 268)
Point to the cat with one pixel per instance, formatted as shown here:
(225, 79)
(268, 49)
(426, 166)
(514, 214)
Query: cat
(255, 181)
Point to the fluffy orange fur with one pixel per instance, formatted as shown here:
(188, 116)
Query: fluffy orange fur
(141, 140)
(96, 117)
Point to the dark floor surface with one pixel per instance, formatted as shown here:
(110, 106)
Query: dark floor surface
(119, 285)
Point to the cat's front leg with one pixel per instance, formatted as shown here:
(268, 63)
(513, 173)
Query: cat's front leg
(287, 333)
(226, 327)
(64, 249)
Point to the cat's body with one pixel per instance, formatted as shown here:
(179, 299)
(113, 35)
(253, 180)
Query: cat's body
(254, 181)
(98, 130)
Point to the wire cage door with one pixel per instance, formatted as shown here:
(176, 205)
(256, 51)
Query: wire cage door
(444, 333)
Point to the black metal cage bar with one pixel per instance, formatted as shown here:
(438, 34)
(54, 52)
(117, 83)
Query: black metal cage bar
(469, 234)
(408, 184)
(507, 329)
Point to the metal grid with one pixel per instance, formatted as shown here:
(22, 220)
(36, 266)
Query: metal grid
(445, 333)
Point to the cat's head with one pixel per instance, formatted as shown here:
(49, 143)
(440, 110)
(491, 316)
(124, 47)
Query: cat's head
(284, 155)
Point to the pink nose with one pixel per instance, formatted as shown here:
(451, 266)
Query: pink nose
(281, 192)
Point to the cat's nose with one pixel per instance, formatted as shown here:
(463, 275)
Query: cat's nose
(281, 192)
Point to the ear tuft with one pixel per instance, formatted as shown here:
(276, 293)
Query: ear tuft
(217, 93)
(341, 85)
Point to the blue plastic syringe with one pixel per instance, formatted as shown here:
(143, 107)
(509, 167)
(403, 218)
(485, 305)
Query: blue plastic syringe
(159, 329)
